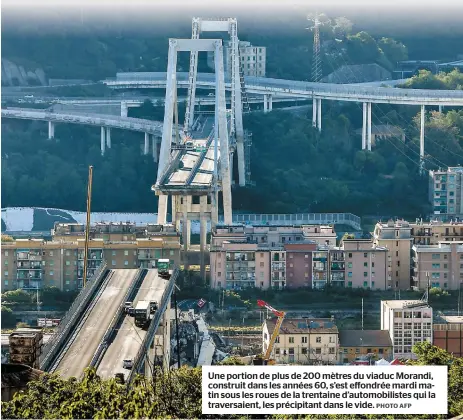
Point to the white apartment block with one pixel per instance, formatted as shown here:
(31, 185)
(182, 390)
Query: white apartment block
(408, 322)
(252, 59)
(446, 192)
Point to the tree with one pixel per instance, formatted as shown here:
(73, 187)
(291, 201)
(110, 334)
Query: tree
(342, 27)
(8, 318)
(394, 50)
(17, 296)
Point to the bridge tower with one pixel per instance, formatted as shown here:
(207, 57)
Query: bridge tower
(238, 92)
(186, 184)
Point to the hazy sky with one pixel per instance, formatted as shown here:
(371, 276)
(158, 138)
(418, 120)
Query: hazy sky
(371, 15)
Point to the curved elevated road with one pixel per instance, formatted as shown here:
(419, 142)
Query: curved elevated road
(331, 91)
(129, 337)
(89, 334)
(101, 120)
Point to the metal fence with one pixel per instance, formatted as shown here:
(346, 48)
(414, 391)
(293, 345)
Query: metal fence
(299, 219)
(81, 301)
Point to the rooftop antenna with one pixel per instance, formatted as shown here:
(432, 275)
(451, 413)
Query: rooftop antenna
(316, 60)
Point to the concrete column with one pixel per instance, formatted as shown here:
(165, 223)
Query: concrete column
(364, 127)
(270, 103)
(422, 140)
(189, 200)
(103, 140)
(369, 126)
(146, 150)
(214, 210)
(124, 109)
(155, 148)
(319, 115)
(314, 112)
(174, 209)
(441, 108)
(162, 209)
(241, 163)
(231, 165)
(51, 130)
(186, 225)
(202, 234)
(265, 103)
(108, 137)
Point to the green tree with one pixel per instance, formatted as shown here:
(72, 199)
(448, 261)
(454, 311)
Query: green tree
(17, 296)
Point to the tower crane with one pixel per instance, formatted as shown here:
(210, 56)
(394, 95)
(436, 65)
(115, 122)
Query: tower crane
(276, 331)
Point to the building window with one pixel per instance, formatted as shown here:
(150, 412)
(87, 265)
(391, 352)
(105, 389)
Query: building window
(365, 284)
(397, 253)
(349, 265)
(349, 274)
(219, 274)
(318, 350)
(357, 351)
(372, 284)
(331, 351)
(304, 350)
(350, 254)
(6, 262)
(52, 263)
(6, 273)
(365, 264)
(365, 274)
(113, 262)
(304, 340)
(365, 255)
(51, 273)
(291, 340)
(349, 284)
(68, 262)
(318, 339)
(51, 253)
(126, 252)
(68, 253)
(261, 264)
(437, 265)
(436, 256)
(261, 274)
(396, 243)
(306, 256)
(6, 253)
(113, 253)
(126, 263)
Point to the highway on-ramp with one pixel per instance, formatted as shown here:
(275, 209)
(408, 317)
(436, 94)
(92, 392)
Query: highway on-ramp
(128, 338)
(89, 335)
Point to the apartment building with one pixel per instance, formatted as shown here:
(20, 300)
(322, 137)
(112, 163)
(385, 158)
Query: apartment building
(435, 231)
(448, 334)
(367, 265)
(446, 192)
(408, 322)
(31, 264)
(303, 341)
(441, 265)
(355, 344)
(252, 59)
(396, 237)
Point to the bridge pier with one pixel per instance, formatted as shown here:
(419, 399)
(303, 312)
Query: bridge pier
(369, 126)
(422, 139)
(319, 115)
(124, 109)
(103, 140)
(202, 234)
(364, 127)
(146, 149)
(162, 209)
(108, 137)
(314, 112)
(51, 130)
(241, 163)
(441, 108)
(154, 141)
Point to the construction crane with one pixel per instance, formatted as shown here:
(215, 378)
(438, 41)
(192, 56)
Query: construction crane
(281, 316)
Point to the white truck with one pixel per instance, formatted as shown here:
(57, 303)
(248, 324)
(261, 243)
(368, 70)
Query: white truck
(142, 313)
